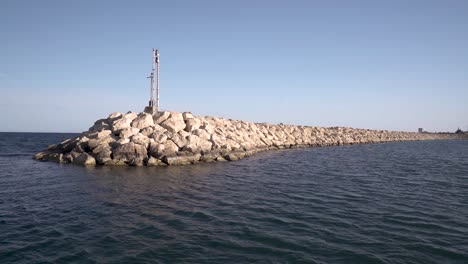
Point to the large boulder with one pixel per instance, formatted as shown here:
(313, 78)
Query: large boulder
(234, 156)
(114, 115)
(168, 148)
(192, 124)
(129, 151)
(209, 157)
(197, 145)
(181, 160)
(100, 134)
(157, 127)
(85, 160)
(143, 120)
(122, 141)
(147, 131)
(136, 162)
(187, 115)
(102, 154)
(159, 136)
(41, 155)
(50, 156)
(130, 115)
(201, 133)
(67, 145)
(120, 124)
(70, 156)
(128, 132)
(140, 139)
(94, 142)
(218, 142)
(180, 139)
(174, 123)
(156, 149)
(99, 125)
(152, 161)
(161, 117)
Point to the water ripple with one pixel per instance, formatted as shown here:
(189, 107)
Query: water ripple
(383, 203)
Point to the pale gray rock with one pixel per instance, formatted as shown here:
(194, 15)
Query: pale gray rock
(249, 145)
(130, 115)
(81, 146)
(114, 115)
(197, 145)
(140, 139)
(100, 134)
(159, 136)
(94, 142)
(123, 141)
(147, 131)
(157, 127)
(234, 156)
(174, 123)
(85, 160)
(161, 117)
(180, 140)
(202, 134)
(156, 149)
(207, 127)
(41, 155)
(120, 124)
(209, 157)
(181, 160)
(128, 132)
(55, 157)
(170, 148)
(192, 124)
(187, 115)
(129, 151)
(220, 158)
(68, 145)
(218, 142)
(83, 139)
(184, 133)
(152, 161)
(101, 124)
(102, 154)
(115, 162)
(137, 162)
(143, 120)
(69, 157)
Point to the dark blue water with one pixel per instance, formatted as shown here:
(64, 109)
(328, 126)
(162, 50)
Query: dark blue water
(382, 203)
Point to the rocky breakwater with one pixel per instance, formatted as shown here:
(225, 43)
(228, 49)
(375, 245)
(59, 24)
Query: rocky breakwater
(172, 138)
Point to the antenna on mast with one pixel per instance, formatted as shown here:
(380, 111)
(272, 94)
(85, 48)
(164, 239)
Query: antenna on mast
(153, 107)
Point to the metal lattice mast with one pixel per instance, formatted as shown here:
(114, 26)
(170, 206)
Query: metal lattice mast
(151, 102)
(156, 60)
(153, 107)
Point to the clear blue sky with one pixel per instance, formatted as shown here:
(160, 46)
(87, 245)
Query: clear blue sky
(395, 65)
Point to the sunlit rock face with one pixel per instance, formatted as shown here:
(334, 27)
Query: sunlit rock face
(172, 138)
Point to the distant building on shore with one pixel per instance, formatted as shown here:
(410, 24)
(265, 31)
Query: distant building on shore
(420, 130)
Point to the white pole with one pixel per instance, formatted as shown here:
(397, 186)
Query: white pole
(157, 83)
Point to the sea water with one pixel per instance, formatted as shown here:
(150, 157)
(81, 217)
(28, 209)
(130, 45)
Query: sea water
(401, 202)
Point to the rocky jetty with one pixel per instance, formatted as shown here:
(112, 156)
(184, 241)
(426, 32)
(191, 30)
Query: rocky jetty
(173, 138)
